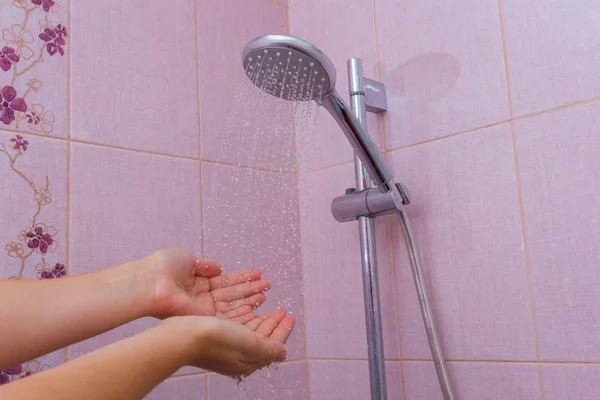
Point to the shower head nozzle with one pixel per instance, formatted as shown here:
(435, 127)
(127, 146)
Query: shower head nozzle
(278, 63)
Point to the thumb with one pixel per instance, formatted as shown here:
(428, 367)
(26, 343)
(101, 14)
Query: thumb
(207, 268)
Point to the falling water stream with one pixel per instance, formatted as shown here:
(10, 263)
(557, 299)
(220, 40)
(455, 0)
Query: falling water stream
(251, 195)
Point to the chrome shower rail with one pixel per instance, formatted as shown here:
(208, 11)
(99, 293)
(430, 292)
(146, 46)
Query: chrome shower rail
(366, 231)
(364, 204)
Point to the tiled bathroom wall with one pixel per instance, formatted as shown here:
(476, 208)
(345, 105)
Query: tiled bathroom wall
(493, 126)
(116, 150)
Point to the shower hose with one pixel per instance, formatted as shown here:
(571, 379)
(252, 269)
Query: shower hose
(419, 278)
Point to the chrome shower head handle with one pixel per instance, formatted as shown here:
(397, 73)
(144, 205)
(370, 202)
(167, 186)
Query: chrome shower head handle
(364, 147)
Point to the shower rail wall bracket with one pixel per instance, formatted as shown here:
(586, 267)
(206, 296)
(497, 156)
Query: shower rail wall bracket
(375, 97)
(370, 202)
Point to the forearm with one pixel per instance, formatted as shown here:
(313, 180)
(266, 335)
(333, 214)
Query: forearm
(38, 317)
(126, 370)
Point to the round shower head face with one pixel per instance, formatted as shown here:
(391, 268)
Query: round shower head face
(288, 68)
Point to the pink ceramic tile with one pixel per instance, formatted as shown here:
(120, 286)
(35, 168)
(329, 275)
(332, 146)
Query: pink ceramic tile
(180, 388)
(325, 24)
(238, 125)
(479, 381)
(126, 205)
(465, 214)
(572, 382)
(551, 50)
(286, 382)
(333, 292)
(344, 379)
(133, 79)
(251, 221)
(443, 66)
(559, 158)
(33, 194)
(39, 74)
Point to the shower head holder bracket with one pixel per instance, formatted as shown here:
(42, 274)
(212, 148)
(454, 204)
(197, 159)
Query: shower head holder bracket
(368, 203)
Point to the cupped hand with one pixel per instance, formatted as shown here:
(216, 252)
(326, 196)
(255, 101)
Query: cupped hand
(186, 285)
(232, 349)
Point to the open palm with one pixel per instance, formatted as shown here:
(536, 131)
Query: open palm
(185, 285)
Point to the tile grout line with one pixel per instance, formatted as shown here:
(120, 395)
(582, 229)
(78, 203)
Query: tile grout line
(201, 372)
(206, 385)
(450, 136)
(299, 219)
(69, 134)
(474, 130)
(198, 108)
(521, 205)
(496, 362)
(153, 153)
(560, 108)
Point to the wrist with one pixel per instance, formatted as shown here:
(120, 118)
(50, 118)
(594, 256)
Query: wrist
(187, 334)
(141, 284)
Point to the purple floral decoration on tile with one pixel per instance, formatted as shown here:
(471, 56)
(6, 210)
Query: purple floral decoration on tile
(46, 5)
(9, 104)
(21, 371)
(14, 371)
(38, 239)
(59, 271)
(55, 39)
(8, 56)
(19, 56)
(19, 143)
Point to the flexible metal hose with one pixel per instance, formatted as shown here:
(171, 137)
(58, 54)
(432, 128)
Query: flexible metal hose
(421, 286)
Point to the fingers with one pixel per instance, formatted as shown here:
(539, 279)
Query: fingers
(269, 324)
(255, 323)
(281, 334)
(207, 268)
(237, 312)
(240, 291)
(223, 281)
(244, 319)
(200, 286)
(273, 330)
(254, 301)
(283, 331)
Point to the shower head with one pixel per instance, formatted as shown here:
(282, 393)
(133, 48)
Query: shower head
(292, 69)
(278, 63)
